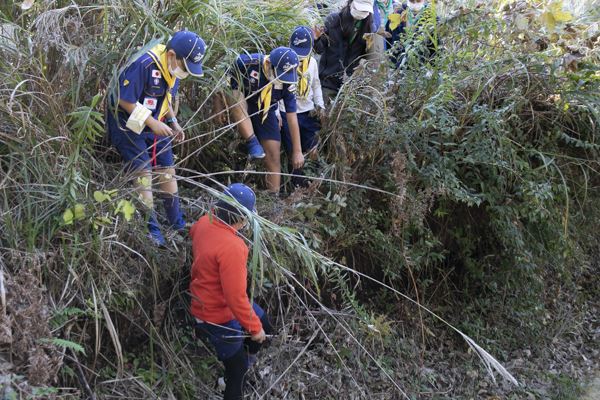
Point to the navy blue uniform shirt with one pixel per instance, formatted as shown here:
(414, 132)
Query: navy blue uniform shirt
(143, 82)
(248, 76)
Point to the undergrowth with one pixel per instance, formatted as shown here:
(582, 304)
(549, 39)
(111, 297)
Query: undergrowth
(465, 185)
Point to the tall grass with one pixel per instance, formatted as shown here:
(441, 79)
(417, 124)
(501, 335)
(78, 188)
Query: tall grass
(402, 155)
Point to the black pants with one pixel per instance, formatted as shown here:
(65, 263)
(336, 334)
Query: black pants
(236, 366)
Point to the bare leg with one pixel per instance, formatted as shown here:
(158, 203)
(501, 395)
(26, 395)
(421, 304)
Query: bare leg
(167, 181)
(239, 111)
(273, 164)
(143, 185)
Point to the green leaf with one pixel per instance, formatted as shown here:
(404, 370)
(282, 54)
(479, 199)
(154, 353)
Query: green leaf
(100, 197)
(96, 100)
(68, 216)
(76, 347)
(126, 208)
(79, 211)
(145, 181)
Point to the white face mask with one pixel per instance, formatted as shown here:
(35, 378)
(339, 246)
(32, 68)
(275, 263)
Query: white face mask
(179, 73)
(416, 7)
(358, 15)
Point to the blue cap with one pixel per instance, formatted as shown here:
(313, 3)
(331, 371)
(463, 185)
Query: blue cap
(191, 48)
(285, 61)
(302, 41)
(243, 195)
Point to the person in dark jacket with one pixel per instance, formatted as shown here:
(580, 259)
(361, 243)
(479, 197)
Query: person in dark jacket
(413, 33)
(341, 43)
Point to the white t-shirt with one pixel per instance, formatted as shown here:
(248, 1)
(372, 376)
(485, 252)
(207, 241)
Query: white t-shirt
(314, 96)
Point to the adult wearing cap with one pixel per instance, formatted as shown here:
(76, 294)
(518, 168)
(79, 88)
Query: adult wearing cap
(259, 82)
(141, 123)
(309, 99)
(220, 306)
(342, 44)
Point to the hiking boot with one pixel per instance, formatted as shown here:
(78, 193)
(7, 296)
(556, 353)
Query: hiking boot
(255, 150)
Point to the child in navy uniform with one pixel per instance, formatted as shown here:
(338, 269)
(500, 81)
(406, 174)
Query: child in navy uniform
(309, 100)
(141, 123)
(259, 82)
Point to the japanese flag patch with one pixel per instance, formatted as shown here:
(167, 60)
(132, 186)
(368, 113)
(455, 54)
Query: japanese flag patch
(254, 74)
(156, 73)
(150, 103)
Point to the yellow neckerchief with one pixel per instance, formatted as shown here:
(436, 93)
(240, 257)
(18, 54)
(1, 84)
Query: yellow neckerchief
(264, 99)
(303, 77)
(159, 54)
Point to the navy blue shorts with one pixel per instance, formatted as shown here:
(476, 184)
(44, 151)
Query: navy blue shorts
(309, 126)
(140, 151)
(227, 338)
(267, 130)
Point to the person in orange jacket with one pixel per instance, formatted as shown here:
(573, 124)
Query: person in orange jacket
(222, 310)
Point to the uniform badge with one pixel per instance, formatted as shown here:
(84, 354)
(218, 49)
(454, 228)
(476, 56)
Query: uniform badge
(156, 81)
(125, 82)
(254, 74)
(292, 88)
(150, 103)
(299, 41)
(156, 74)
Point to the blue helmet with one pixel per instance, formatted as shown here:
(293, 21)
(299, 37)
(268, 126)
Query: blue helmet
(302, 41)
(191, 48)
(285, 61)
(243, 195)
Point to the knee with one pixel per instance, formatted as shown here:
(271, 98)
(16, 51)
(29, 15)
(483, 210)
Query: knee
(272, 160)
(166, 175)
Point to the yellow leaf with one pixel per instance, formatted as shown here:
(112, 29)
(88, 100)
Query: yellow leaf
(559, 15)
(68, 217)
(79, 211)
(369, 40)
(394, 21)
(548, 21)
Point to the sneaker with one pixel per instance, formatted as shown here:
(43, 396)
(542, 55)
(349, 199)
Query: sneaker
(255, 150)
(221, 384)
